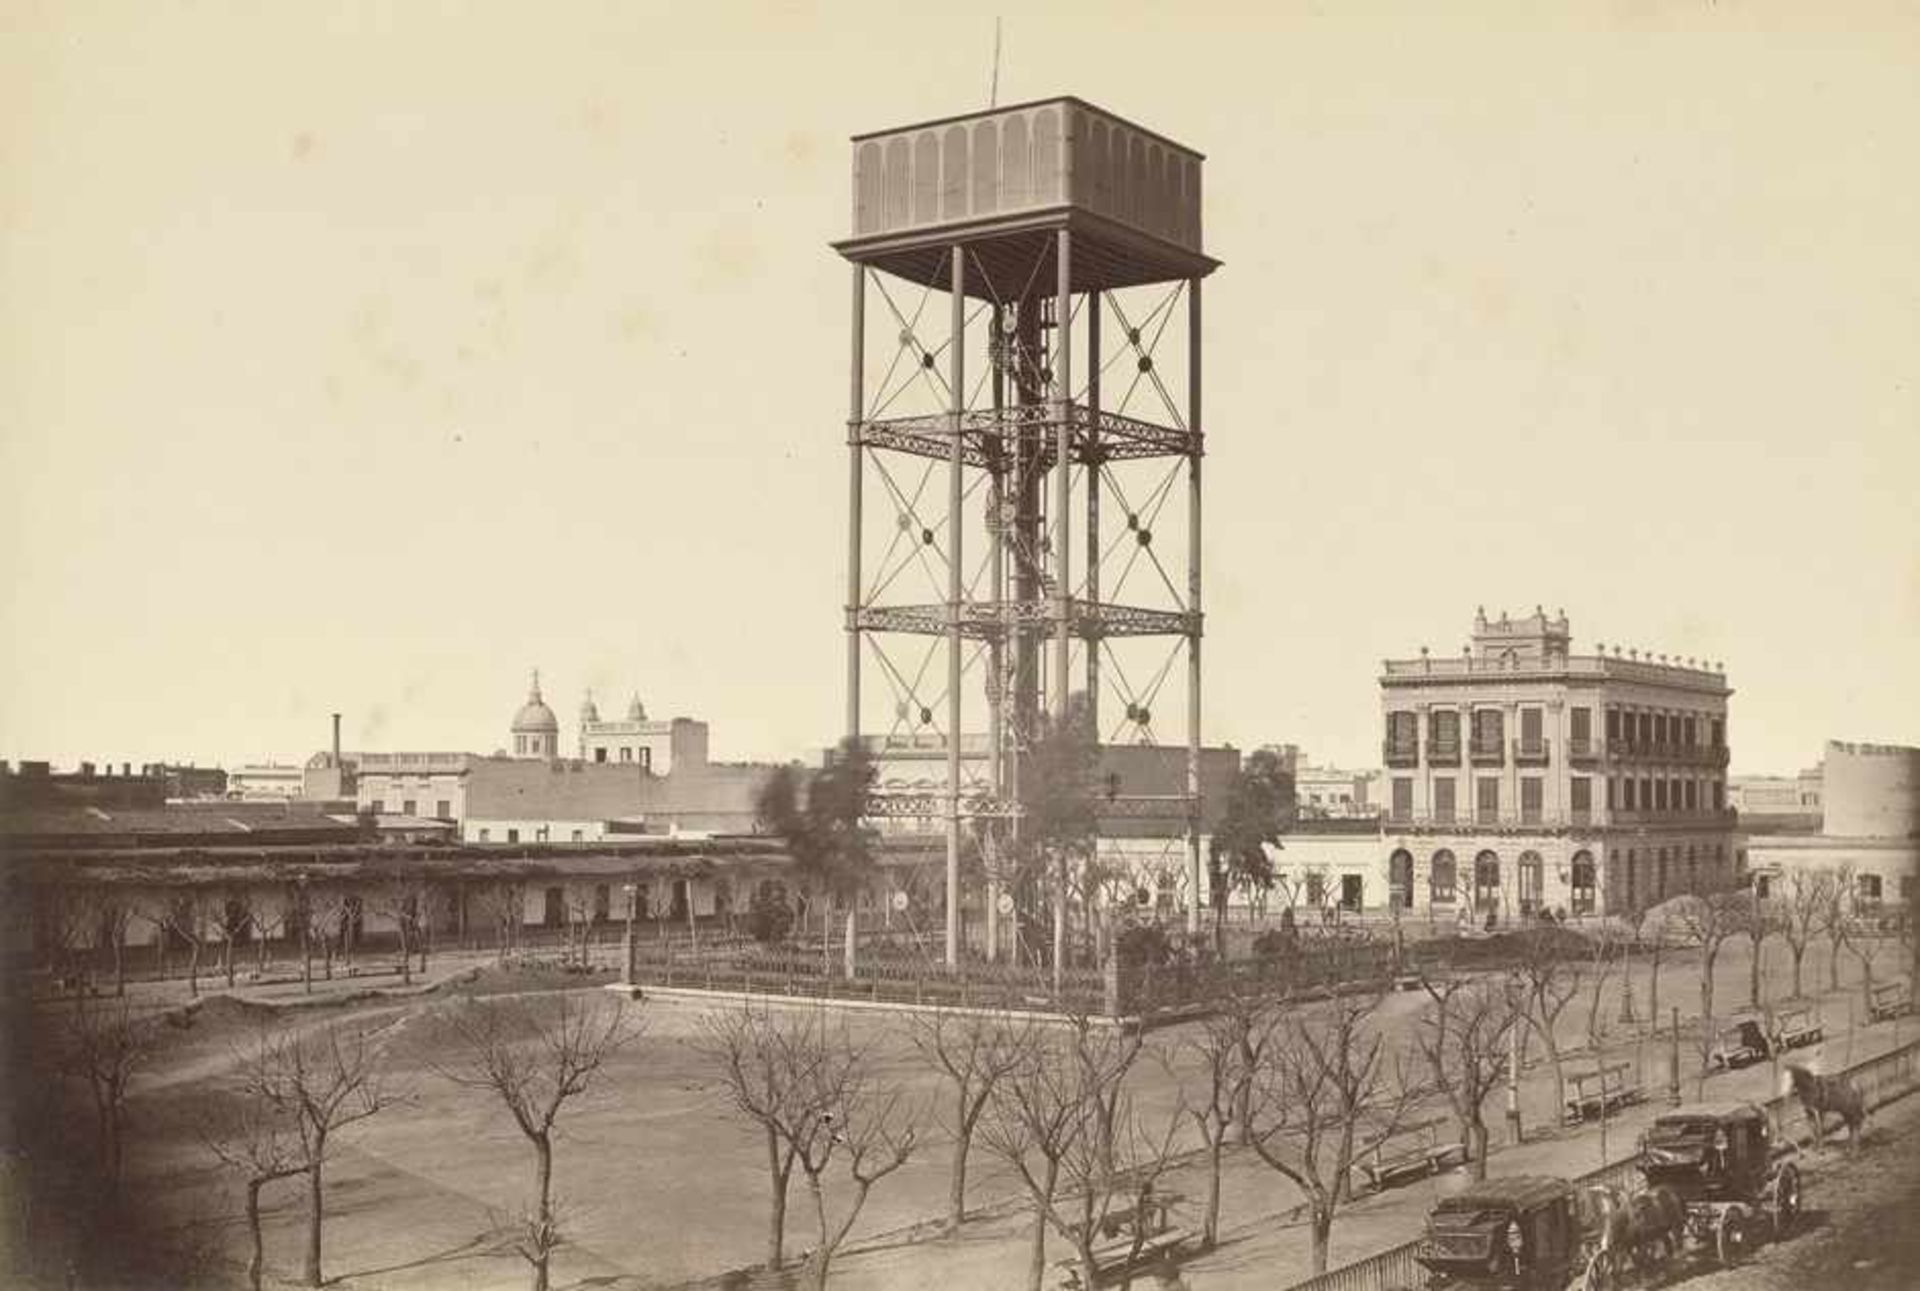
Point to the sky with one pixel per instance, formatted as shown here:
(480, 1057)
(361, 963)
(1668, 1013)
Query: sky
(364, 357)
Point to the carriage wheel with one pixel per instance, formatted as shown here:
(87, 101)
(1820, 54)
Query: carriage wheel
(1786, 1200)
(1600, 1273)
(1734, 1237)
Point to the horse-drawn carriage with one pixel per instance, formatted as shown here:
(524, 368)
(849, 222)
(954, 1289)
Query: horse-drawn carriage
(1519, 1233)
(1733, 1185)
(1741, 1042)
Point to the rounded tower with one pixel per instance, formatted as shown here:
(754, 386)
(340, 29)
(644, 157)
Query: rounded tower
(536, 731)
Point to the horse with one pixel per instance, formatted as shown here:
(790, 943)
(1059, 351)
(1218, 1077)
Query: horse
(1642, 1228)
(1822, 1094)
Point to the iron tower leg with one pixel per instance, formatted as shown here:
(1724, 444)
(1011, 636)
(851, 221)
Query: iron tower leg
(955, 493)
(856, 411)
(1193, 605)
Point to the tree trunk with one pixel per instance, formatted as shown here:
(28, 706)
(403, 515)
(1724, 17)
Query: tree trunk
(777, 1215)
(1552, 1043)
(957, 1193)
(1210, 1230)
(1322, 1232)
(1653, 986)
(1799, 953)
(226, 960)
(852, 937)
(543, 1190)
(406, 956)
(119, 964)
(1833, 968)
(1477, 1150)
(1753, 974)
(256, 1259)
(311, 1271)
(193, 972)
(1037, 1260)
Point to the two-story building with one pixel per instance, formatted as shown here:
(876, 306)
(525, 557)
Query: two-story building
(1522, 777)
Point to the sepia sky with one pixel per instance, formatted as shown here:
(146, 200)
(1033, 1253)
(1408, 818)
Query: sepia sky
(365, 356)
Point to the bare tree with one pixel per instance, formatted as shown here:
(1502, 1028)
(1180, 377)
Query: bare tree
(319, 1083)
(1549, 979)
(1462, 1036)
(1606, 954)
(1707, 921)
(815, 1093)
(1330, 1091)
(1801, 915)
(973, 1051)
(1063, 1121)
(1834, 919)
(404, 899)
(104, 1047)
(227, 921)
(862, 1123)
(1224, 1057)
(535, 1065)
(258, 1141)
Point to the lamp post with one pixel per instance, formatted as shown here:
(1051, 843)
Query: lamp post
(1514, 1133)
(633, 901)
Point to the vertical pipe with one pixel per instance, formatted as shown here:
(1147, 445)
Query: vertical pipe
(1062, 529)
(856, 411)
(997, 647)
(1092, 558)
(957, 362)
(1193, 605)
(1062, 466)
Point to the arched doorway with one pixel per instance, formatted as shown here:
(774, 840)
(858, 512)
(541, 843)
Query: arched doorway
(1532, 883)
(1400, 879)
(1442, 879)
(1582, 883)
(1486, 882)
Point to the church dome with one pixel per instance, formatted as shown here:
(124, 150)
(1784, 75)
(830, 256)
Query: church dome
(534, 717)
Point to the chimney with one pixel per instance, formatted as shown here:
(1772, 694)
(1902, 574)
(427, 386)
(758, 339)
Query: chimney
(336, 739)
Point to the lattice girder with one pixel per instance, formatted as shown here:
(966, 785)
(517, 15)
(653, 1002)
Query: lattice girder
(987, 436)
(981, 621)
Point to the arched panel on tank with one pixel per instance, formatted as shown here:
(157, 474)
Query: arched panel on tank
(869, 185)
(1014, 189)
(1096, 167)
(1165, 183)
(1046, 157)
(926, 178)
(953, 174)
(898, 196)
(1153, 217)
(986, 168)
(1079, 183)
(1136, 179)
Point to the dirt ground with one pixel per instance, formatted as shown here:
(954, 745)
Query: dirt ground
(663, 1184)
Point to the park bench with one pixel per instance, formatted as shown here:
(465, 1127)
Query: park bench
(1796, 1026)
(1124, 1247)
(1888, 1000)
(1603, 1090)
(1414, 1153)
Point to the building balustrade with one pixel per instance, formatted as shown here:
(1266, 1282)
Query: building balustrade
(1400, 754)
(1532, 752)
(1706, 755)
(1579, 750)
(1488, 752)
(1443, 755)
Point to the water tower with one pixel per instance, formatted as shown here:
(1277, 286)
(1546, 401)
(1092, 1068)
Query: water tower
(1025, 412)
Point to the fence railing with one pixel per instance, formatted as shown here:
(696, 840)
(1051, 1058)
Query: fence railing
(1880, 1080)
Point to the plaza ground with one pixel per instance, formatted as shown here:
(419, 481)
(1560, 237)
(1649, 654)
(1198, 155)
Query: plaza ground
(663, 1184)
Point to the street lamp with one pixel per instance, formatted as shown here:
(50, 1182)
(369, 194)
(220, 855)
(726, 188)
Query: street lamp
(633, 901)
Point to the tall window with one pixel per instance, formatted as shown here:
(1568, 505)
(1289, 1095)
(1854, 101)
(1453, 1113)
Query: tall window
(626, 753)
(1582, 882)
(379, 806)
(1443, 799)
(1627, 795)
(513, 835)
(1486, 806)
(409, 808)
(1613, 725)
(1580, 798)
(1719, 795)
(600, 753)
(1489, 729)
(1580, 728)
(1402, 798)
(1442, 878)
(1659, 728)
(1718, 730)
(1529, 730)
(1660, 794)
(443, 809)
(1530, 800)
(1443, 733)
(1402, 730)
(1486, 881)
(1646, 728)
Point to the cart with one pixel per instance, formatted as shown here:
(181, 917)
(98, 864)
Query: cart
(1519, 1233)
(1721, 1163)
